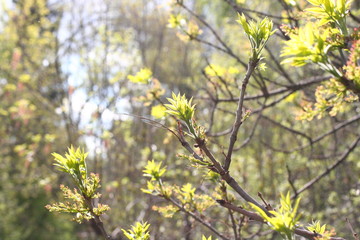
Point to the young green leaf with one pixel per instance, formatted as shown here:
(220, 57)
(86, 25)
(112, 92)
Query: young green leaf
(258, 34)
(139, 231)
(284, 219)
(154, 170)
(143, 76)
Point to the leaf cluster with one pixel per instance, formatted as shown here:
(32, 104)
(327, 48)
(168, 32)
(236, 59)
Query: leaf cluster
(143, 76)
(180, 107)
(74, 164)
(154, 170)
(316, 42)
(331, 97)
(258, 33)
(139, 231)
(284, 219)
(331, 11)
(185, 196)
(189, 30)
(78, 206)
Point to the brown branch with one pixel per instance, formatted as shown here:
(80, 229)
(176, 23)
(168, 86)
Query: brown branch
(248, 139)
(288, 129)
(181, 139)
(273, 103)
(197, 218)
(291, 181)
(335, 129)
(232, 218)
(342, 158)
(278, 91)
(238, 119)
(97, 219)
(241, 10)
(256, 217)
(251, 215)
(216, 35)
(222, 80)
(319, 138)
(225, 175)
(355, 18)
(355, 235)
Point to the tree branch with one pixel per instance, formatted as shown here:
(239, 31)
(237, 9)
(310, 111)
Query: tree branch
(254, 216)
(328, 170)
(238, 119)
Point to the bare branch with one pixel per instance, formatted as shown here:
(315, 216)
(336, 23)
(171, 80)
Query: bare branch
(295, 87)
(355, 235)
(197, 218)
(342, 158)
(238, 119)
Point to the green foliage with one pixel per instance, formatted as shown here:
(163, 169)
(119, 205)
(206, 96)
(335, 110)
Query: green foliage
(77, 206)
(29, 130)
(331, 97)
(138, 232)
(158, 111)
(192, 201)
(331, 11)
(49, 62)
(180, 107)
(307, 45)
(188, 30)
(154, 170)
(155, 185)
(316, 227)
(185, 196)
(176, 21)
(258, 33)
(152, 94)
(312, 43)
(284, 219)
(74, 164)
(183, 109)
(316, 43)
(143, 76)
(197, 163)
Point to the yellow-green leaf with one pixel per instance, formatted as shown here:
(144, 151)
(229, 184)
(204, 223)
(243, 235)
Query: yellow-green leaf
(158, 111)
(143, 76)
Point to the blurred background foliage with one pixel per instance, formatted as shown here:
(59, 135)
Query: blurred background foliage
(64, 80)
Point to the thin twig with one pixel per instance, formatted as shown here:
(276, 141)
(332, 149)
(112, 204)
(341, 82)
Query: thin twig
(216, 35)
(294, 87)
(181, 139)
(232, 218)
(290, 180)
(355, 235)
(328, 170)
(248, 139)
(241, 9)
(336, 128)
(197, 218)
